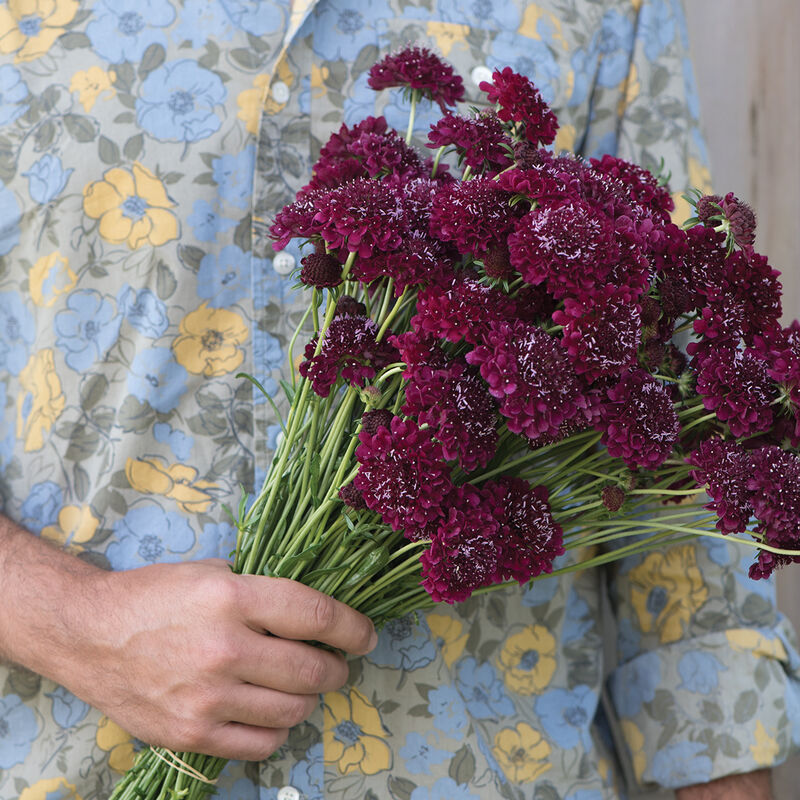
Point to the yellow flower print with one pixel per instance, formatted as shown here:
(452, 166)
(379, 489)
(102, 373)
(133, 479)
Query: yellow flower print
(748, 640)
(447, 35)
(28, 28)
(629, 90)
(699, 178)
(250, 102)
(766, 748)
(565, 139)
(282, 74)
(318, 77)
(353, 737)
(132, 206)
(521, 753)
(117, 743)
(527, 660)
(176, 481)
(50, 277)
(534, 16)
(451, 636)
(76, 525)
(40, 401)
(666, 589)
(50, 789)
(634, 738)
(91, 83)
(209, 341)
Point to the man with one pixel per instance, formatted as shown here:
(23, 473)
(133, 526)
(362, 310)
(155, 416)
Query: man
(137, 139)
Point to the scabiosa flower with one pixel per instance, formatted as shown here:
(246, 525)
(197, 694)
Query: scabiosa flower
(571, 247)
(472, 214)
(455, 403)
(707, 207)
(752, 285)
(352, 497)
(347, 304)
(705, 264)
(419, 69)
(775, 485)
(497, 262)
(296, 220)
(612, 498)
(376, 418)
(735, 385)
(741, 220)
(418, 350)
(321, 270)
(462, 311)
(529, 536)
(464, 550)
(520, 101)
(725, 468)
(361, 216)
(350, 349)
(602, 331)
(402, 474)
(480, 141)
(530, 374)
(642, 186)
(638, 421)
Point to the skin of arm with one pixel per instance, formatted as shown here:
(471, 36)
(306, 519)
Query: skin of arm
(750, 786)
(188, 656)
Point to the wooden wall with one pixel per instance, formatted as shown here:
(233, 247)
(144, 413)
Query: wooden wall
(747, 63)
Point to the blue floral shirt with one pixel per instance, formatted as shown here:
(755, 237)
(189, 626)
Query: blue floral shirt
(145, 146)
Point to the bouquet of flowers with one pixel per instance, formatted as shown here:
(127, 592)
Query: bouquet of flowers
(495, 373)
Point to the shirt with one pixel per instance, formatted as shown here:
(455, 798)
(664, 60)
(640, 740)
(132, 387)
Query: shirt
(145, 147)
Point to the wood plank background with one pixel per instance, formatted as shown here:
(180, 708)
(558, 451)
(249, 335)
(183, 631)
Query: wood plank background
(747, 64)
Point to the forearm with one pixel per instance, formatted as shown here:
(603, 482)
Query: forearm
(44, 597)
(750, 786)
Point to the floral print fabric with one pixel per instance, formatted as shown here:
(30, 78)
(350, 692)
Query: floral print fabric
(144, 147)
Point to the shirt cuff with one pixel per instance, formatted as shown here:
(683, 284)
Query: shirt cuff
(720, 704)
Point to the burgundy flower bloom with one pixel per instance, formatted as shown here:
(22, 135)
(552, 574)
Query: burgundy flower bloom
(741, 219)
(361, 216)
(571, 247)
(478, 140)
(638, 421)
(464, 550)
(349, 305)
(708, 206)
(601, 331)
(296, 221)
(321, 270)
(376, 418)
(530, 374)
(530, 537)
(352, 497)
(350, 349)
(735, 385)
(473, 214)
(613, 498)
(725, 467)
(402, 474)
(520, 101)
(418, 350)
(455, 403)
(420, 69)
(705, 264)
(752, 285)
(642, 186)
(463, 311)
(775, 485)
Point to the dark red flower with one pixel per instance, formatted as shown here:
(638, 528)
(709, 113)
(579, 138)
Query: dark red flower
(349, 349)
(735, 385)
(296, 221)
(520, 101)
(455, 403)
(361, 216)
(530, 374)
(402, 474)
(352, 497)
(642, 186)
(741, 220)
(638, 421)
(419, 69)
(612, 498)
(725, 467)
(602, 331)
(473, 214)
(418, 350)
(480, 141)
(321, 270)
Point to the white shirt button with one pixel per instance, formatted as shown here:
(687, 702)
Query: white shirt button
(480, 74)
(283, 263)
(288, 793)
(280, 92)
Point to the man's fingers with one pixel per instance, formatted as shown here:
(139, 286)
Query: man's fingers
(293, 611)
(289, 666)
(245, 742)
(266, 708)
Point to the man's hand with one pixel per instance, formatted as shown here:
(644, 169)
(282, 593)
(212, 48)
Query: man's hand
(188, 656)
(750, 786)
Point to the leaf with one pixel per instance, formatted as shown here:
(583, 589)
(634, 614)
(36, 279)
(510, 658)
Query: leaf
(152, 59)
(191, 256)
(462, 767)
(80, 128)
(210, 58)
(134, 146)
(424, 689)
(241, 236)
(401, 788)
(366, 57)
(44, 135)
(762, 676)
(420, 710)
(166, 282)
(659, 80)
(134, 416)
(108, 150)
(246, 58)
(80, 482)
(729, 746)
(103, 417)
(93, 390)
(124, 118)
(82, 444)
(662, 706)
(711, 712)
(745, 707)
(74, 40)
(22, 682)
(546, 791)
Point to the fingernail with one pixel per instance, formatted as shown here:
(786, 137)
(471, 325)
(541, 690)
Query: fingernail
(373, 640)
